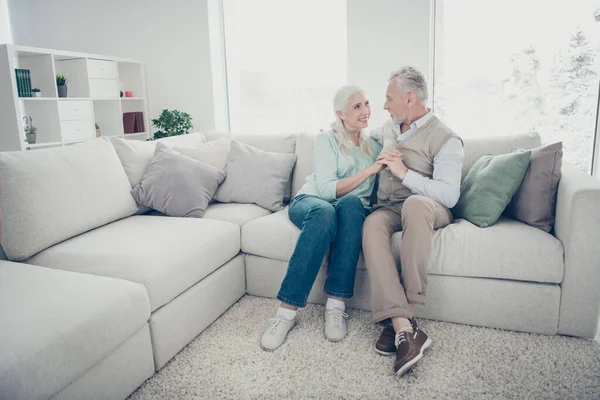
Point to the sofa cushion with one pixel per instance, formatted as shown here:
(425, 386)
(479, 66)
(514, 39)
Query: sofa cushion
(165, 254)
(50, 195)
(508, 250)
(238, 214)
(56, 325)
(136, 155)
(284, 143)
(273, 236)
(177, 185)
(256, 177)
(535, 201)
(215, 153)
(489, 186)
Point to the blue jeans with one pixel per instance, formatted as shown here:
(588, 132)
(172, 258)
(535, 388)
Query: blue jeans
(323, 224)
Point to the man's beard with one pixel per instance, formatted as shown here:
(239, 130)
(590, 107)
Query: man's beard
(398, 119)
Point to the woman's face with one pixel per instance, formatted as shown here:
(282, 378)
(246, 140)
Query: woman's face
(357, 113)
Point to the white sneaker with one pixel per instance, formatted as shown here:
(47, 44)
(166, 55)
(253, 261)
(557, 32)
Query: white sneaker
(335, 324)
(276, 332)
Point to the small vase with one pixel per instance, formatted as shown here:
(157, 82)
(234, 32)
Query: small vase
(97, 132)
(62, 91)
(30, 137)
(37, 94)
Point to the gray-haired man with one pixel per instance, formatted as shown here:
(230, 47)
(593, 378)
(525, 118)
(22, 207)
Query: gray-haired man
(421, 182)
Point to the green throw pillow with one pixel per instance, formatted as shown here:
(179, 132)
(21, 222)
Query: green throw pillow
(489, 187)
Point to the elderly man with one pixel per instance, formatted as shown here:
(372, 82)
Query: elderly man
(421, 182)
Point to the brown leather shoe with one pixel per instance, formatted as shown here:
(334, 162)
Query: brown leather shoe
(411, 346)
(386, 345)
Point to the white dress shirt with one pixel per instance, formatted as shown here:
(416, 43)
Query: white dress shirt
(444, 186)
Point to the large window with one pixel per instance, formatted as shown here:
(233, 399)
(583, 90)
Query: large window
(511, 66)
(284, 62)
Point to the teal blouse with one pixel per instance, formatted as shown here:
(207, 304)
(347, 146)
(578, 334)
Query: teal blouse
(330, 165)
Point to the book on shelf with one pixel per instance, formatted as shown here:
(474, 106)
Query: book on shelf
(28, 83)
(133, 122)
(23, 78)
(19, 84)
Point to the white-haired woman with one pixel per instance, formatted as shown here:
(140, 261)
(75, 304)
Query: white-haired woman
(330, 210)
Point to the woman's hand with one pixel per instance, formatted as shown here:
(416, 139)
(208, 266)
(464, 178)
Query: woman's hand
(393, 160)
(377, 167)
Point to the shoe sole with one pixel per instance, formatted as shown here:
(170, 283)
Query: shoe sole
(412, 362)
(384, 353)
(284, 339)
(335, 340)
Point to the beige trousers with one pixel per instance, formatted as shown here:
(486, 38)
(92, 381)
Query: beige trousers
(417, 217)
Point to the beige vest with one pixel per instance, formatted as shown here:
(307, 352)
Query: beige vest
(418, 153)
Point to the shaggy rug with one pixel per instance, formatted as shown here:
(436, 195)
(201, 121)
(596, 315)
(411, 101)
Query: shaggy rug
(464, 362)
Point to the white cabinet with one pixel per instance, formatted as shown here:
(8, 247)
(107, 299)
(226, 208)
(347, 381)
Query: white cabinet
(103, 88)
(74, 110)
(77, 130)
(100, 69)
(93, 97)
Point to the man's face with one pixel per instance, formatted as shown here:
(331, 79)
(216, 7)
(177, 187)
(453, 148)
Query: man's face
(396, 102)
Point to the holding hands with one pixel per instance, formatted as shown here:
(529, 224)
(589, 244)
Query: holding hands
(393, 160)
(377, 167)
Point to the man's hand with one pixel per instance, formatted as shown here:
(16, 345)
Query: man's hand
(376, 168)
(393, 160)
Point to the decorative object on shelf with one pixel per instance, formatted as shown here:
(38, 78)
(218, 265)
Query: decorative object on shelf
(30, 130)
(121, 86)
(36, 92)
(128, 93)
(98, 134)
(171, 123)
(61, 85)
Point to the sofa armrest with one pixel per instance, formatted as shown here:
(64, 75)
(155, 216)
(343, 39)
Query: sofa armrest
(578, 228)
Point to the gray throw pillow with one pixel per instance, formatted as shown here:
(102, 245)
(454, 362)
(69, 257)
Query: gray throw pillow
(256, 177)
(535, 200)
(177, 185)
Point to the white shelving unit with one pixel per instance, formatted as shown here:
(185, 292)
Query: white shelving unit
(93, 97)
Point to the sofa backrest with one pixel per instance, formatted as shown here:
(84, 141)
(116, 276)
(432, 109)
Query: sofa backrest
(51, 195)
(304, 162)
(302, 145)
(477, 147)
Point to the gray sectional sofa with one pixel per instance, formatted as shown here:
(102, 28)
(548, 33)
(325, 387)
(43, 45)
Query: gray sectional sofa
(96, 296)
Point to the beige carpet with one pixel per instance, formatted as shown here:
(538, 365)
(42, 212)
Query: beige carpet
(464, 362)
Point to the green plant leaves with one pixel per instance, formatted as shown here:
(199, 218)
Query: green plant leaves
(171, 123)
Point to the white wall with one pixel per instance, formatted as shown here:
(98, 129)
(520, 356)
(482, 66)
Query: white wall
(174, 44)
(384, 35)
(5, 32)
(170, 38)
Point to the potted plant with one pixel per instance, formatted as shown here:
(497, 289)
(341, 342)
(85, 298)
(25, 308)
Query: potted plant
(30, 130)
(61, 85)
(97, 130)
(36, 92)
(171, 123)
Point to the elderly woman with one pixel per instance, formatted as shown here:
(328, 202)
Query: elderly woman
(330, 210)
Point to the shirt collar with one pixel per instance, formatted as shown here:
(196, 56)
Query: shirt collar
(416, 124)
